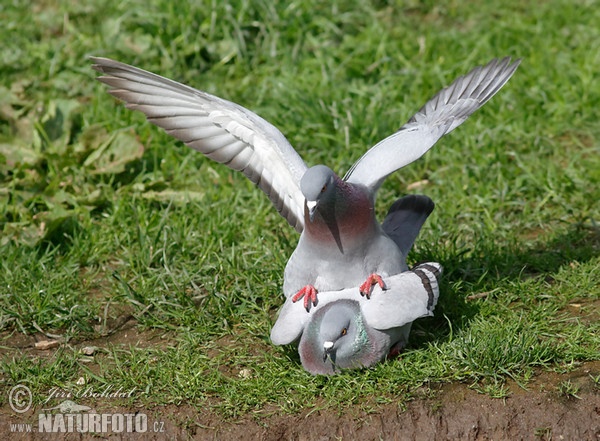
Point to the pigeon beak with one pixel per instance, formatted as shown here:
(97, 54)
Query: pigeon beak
(312, 208)
(327, 347)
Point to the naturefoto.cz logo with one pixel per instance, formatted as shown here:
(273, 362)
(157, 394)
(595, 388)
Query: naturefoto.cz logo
(94, 422)
(69, 416)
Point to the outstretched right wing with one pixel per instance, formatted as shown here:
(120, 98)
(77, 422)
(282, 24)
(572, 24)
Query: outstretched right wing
(221, 130)
(442, 114)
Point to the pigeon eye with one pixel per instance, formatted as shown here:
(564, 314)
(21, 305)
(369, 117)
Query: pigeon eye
(324, 188)
(344, 331)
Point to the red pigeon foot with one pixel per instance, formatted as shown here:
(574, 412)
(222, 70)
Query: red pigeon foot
(310, 296)
(395, 350)
(365, 288)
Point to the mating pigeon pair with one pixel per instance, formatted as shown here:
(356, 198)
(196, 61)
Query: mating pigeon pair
(358, 299)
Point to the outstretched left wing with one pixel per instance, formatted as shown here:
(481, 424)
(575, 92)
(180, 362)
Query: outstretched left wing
(221, 130)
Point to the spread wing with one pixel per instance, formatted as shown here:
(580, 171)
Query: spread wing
(221, 130)
(442, 114)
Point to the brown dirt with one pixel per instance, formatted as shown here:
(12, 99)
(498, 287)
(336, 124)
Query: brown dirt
(451, 412)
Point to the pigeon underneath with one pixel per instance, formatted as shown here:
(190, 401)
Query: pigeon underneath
(348, 331)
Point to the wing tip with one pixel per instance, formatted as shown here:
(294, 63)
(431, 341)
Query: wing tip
(100, 64)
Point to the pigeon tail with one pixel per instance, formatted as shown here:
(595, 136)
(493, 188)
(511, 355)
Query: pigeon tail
(405, 218)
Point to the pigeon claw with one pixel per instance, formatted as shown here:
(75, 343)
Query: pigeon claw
(395, 351)
(365, 288)
(309, 293)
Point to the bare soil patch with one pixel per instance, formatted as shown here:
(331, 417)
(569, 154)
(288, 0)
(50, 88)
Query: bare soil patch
(451, 412)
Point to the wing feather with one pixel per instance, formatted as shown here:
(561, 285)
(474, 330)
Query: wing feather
(440, 115)
(223, 131)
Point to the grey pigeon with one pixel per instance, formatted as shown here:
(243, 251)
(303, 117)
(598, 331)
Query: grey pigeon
(341, 244)
(348, 331)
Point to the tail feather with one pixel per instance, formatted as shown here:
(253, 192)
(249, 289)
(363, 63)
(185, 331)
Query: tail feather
(405, 218)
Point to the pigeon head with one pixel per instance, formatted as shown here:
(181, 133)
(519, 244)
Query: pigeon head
(334, 339)
(318, 187)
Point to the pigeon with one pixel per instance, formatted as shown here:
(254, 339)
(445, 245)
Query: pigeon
(349, 331)
(341, 243)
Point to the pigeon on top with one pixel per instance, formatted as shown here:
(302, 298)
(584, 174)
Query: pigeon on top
(341, 244)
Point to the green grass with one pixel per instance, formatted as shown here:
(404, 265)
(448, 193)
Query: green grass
(103, 216)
